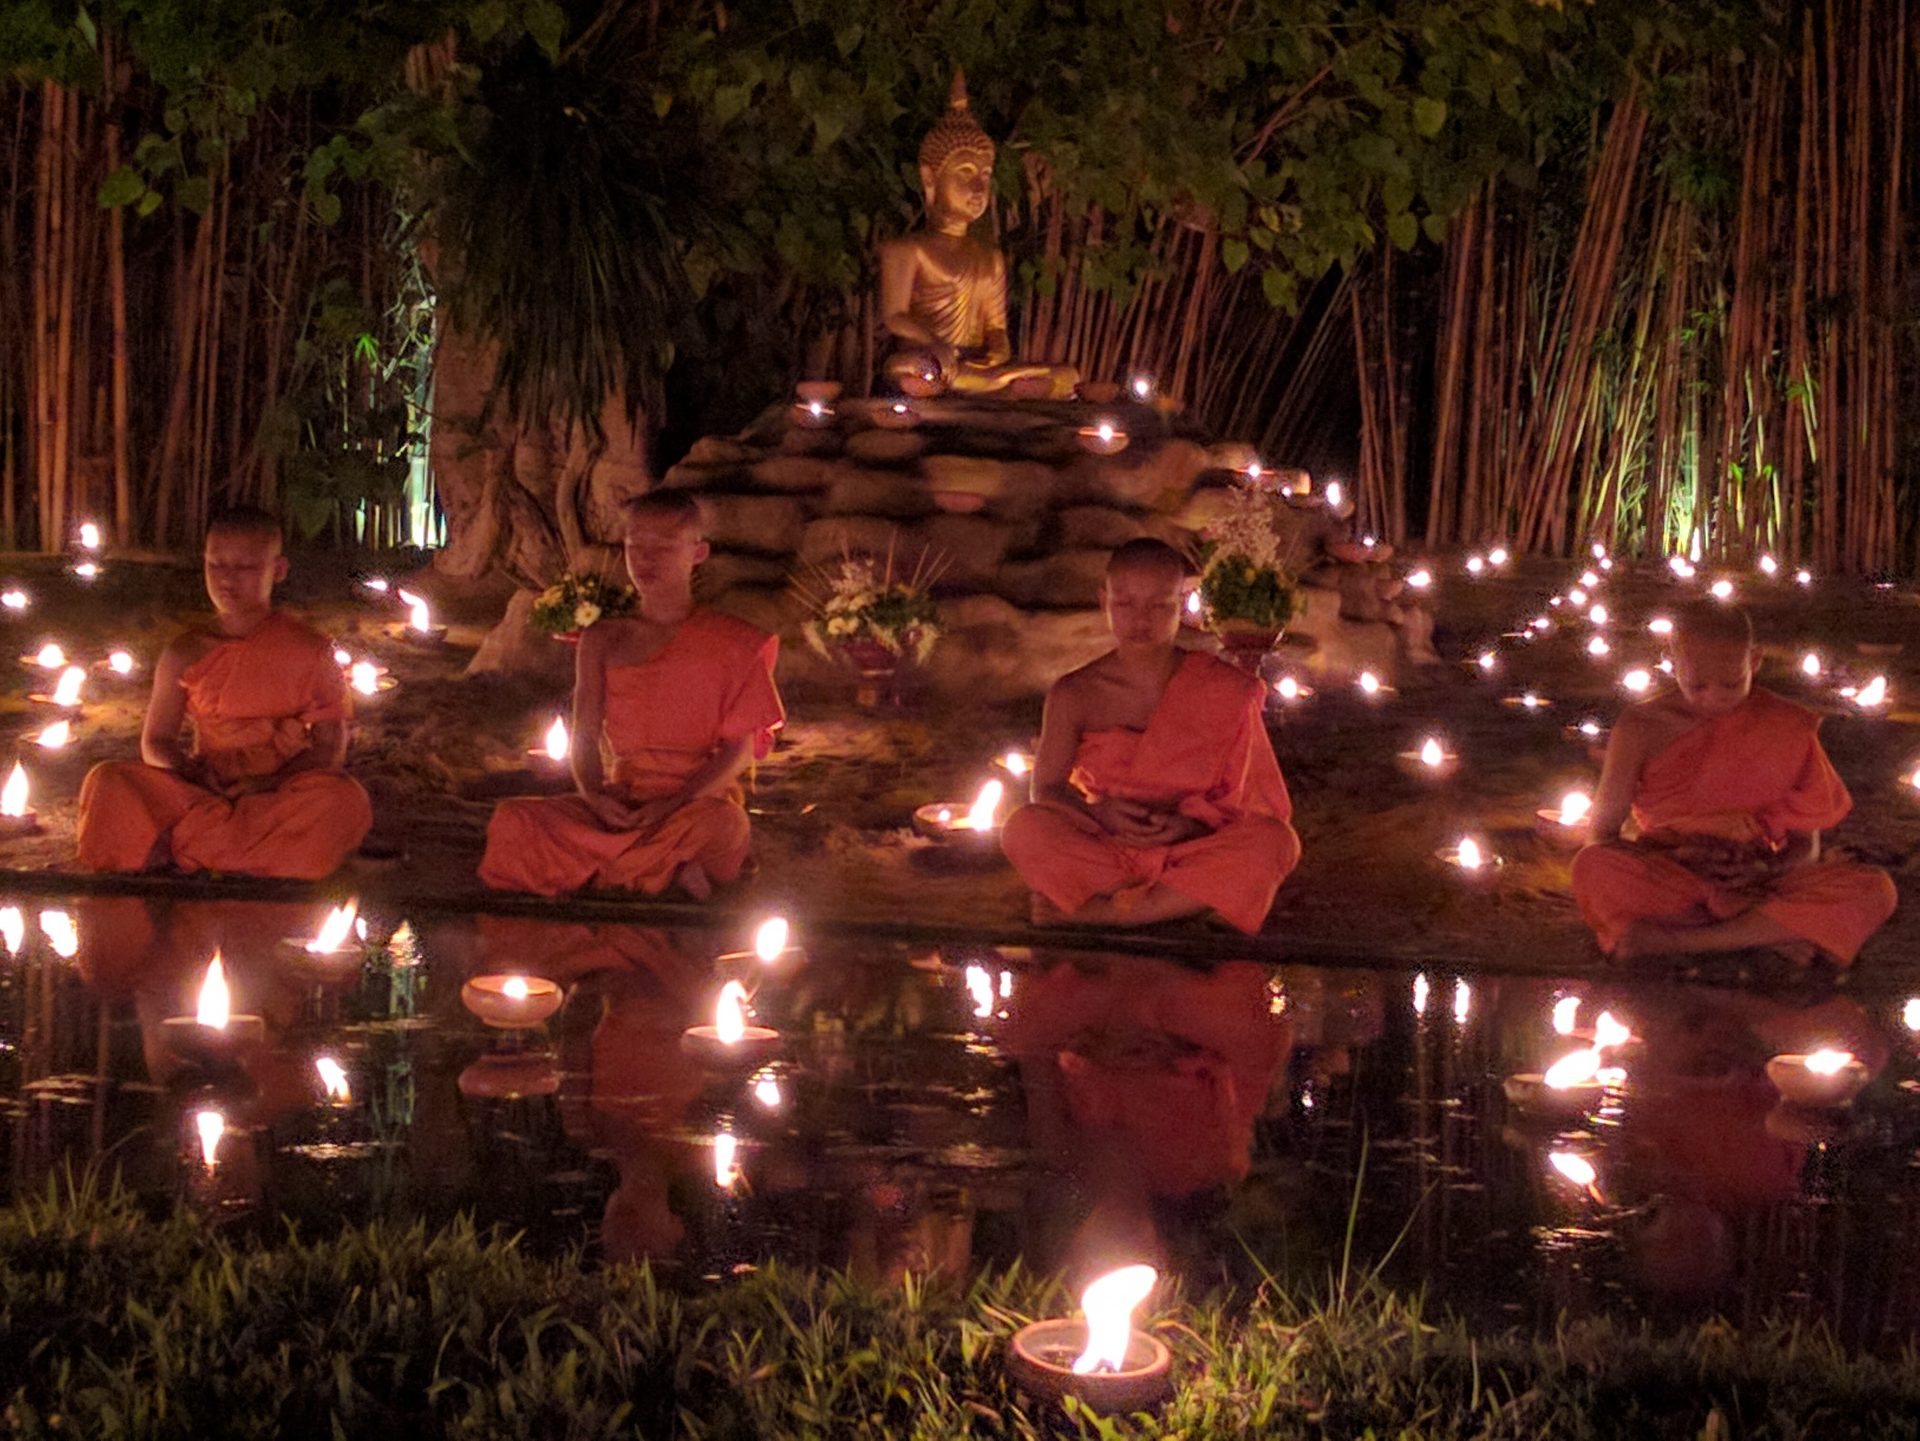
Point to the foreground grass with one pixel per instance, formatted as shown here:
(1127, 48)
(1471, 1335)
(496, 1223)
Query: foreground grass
(116, 1325)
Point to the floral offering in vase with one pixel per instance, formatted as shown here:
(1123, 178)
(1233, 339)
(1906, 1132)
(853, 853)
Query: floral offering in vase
(1246, 583)
(574, 602)
(866, 614)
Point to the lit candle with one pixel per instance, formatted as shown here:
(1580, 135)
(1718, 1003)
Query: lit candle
(1577, 596)
(214, 1028)
(1017, 764)
(120, 662)
(66, 690)
(1597, 551)
(1810, 665)
(50, 657)
(1462, 1002)
(1193, 603)
(1589, 579)
(1660, 625)
(980, 988)
(1336, 498)
(1823, 1078)
(61, 933)
(1769, 566)
(1371, 685)
(1565, 824)
(770, 941)
(1721, 590)
(1103, 437)
(55, 736)
(334, 930)
(1576, 1168)
(726, 1164)
(1475, 565)
(554, 743)
(1289, 689)
(1142, 386)
(420, 624)
(766, 1090)
(1497, 557)
(1106, 1365)
(1468, 855)
(87, 570)
(731, 1040)
(1873, 694)
(89, 536)
(1598, 647)
(1803, 577)
(210, 1126)
(1487, 660)
(1565, 1011)
(1419, 579)
(13, 598)
(1909, 1013)
(1526, 700)
(16, 818)
(1637, 680)
(377, 583)
(1599, 615)
(1430, 760)
(1541, 623)
(1681, 567)
(1422, 989)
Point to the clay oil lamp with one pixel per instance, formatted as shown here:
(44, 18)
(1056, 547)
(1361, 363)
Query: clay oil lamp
(511, 1075)
(1104, 437)
(1470, 858)
(1371, 686)
(421, 629)
(333, 1081)
(16, 816)
(1821, 1080)
(49, 657)
(1141, 387)
(334, 952)
(66, 692)
(773, 944)
(119, 663)
(365, 678)
(1016, 763)
(512, 1002)
(1567, 1089)
(61, 933)
(1291, 690)
(1476, 566)
(89, 535)
(13, 930)
(814, 414)
(822, 392)
(949, 823)
(1099, 1360)
(730, 1041)
(896, 415)
(555, 745)
(1530, 701)
(213, 1031)
(15, 599)
(1430, 760)
(1565, 825)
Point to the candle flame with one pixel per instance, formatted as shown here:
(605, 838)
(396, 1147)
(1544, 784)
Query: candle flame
(1193, 602)
(86, 570)
(1497, 556)
(364, 677)
(1475, 565)
(1803, 577)
(1721, 590)
(1810, 665)
(1462, 1002)
(771, 939)
(980, 815)
(1566, 1011)
(1255, 470)
(333, 1077)
(216, 1000)
(89, 536)
(212, 1126)
(419, 616)
(1909, 1014)
(1660, 625)
(1577, 596)
(1431, 754)
(1637, 679)
(1609, 1032)
(1577, 1169)
(1572, 1069)
(726, 1166)
(13, 928)
(729, 1013)
(1540, 622)
(1422, 988)
(13, 795)
(15, 599)
(1873, 693)
(980, 987)
(334, 929)
(1334, 494)
(1104, 430)
(1590, 729)
(1598, 646)
(61, 933)
(1420, 579)
(1142, 386)
(1109, 1304)
(1015, 763)
(1369, 682)
(50, 657)
(1287, 687)
(1597, 550)
(556, 742)
(1574, 806)
(515, 988)
(1469, 854)
(1589, 579)
(66, 690)
(1487, 660)
(766, 1090)
(120, 662)
(1531, 701)
(1681, 567)
(1599, 615)
(1828, 1062)
(1768, 565)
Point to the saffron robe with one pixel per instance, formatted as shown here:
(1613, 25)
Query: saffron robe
(710, 685)
(1755, 775)
(251, 702)
(1204, 753)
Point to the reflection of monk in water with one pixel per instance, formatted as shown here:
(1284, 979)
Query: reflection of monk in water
(1147, 1077)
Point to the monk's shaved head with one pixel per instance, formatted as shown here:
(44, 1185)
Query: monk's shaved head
(677, 508)
(1146, 555)
(247, 522)
(1712, 622)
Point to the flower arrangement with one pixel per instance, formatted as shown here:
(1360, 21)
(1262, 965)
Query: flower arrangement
(574, 602)
(862, 602)
(1246, 582)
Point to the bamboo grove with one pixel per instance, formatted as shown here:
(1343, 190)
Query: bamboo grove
(1533, 272)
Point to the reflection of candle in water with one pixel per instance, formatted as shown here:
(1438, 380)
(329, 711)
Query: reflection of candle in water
(1109, 1305)
(1421, 989)
(333, 1078)
(980, 987)
(61, 933)
(766, 1090)
(726, 1168)
(1462, 1002)
(1577, 1169)
(211, 1126)
(771, 938)
(1566, 1011)
(13, 928)
(1573, 1069)
(87, 570)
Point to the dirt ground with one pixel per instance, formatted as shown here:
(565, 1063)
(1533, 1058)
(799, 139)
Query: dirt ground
(832, 805)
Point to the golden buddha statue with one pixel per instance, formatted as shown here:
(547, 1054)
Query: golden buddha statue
(943, 294)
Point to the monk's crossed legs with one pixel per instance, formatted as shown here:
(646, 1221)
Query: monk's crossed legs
(553, 845)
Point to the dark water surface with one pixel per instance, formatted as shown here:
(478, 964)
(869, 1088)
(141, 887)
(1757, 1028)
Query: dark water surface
(939, 1109)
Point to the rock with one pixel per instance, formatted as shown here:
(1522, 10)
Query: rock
(515, 647)
(1098, 527)
(887, 447)
(1062, 581)
(971, 549)
(793, 473)
(1204, 506)
(963, 612)
(773, 608)
(825, 541)
(965, 476)
(807, 440)
(720, 451)
(769, 524)
(1023, 656)
(878, 492)
(1150, 474)
(723, 570)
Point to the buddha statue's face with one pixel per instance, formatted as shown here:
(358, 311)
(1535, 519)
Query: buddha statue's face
(957, 194)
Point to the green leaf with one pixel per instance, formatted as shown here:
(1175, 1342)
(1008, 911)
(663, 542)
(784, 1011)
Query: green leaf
(1435, 227)
(123, 187)
(847, 40)
(1429, 115)
(326, 207)
(662, 103)
(1277, 286)
(485, 19)
(546, 23)
(83, 22)
(149, 203)
(195, 193)
(1234, 254)
(1403, 230)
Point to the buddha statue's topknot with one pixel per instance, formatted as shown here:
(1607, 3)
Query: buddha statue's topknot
(956, 131)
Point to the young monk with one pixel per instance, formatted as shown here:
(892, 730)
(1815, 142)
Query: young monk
(684, 700)
(260, 790)
(1730, 788)
(1155, 790)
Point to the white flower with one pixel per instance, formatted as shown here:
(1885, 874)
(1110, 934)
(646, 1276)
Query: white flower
(585, 614)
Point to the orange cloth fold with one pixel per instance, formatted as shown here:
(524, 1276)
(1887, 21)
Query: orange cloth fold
(1204, 753)
(1756, 775)
(711, 684)
(250, 702)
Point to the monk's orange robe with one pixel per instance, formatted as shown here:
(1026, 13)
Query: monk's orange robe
(251, 702)
(710, 685)
(1755, 775)
(1204, 753)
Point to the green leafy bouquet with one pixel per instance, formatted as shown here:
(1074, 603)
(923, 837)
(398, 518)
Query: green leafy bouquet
(574, 602)
(862, 601)
(1246, 583)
